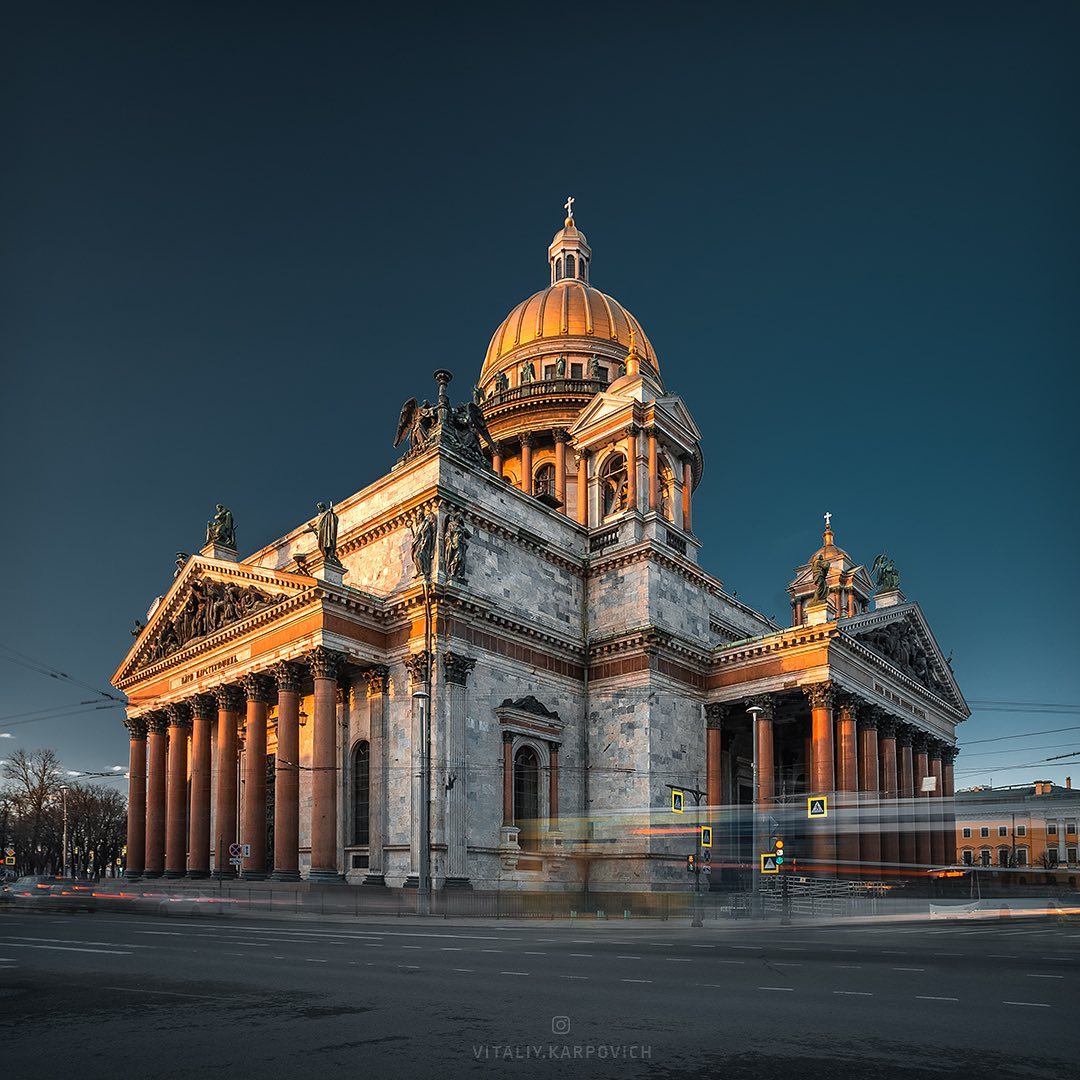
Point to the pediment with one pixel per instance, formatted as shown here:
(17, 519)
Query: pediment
(902, 637)
(206, 598)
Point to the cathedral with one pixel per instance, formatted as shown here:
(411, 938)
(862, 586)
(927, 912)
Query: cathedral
(492, 667)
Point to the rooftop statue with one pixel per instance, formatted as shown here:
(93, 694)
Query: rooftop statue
(417, 423)
(326, 530)
(819, 570)
(221, 529)
(885, 573)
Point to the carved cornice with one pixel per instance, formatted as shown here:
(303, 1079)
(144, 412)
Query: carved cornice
(820, 695)
(378, 680)
(715, 714)
(324, 663)
(287, 676)
(456, 668)
(257, 688)
(417, 666)
(229, 698)
(136, 726)
(157, 722)
(179, 714)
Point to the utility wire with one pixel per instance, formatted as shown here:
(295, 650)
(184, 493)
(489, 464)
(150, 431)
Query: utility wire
(58, 716)
(1023, 735)
(53, 673)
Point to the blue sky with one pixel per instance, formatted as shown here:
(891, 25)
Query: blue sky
(237, 237)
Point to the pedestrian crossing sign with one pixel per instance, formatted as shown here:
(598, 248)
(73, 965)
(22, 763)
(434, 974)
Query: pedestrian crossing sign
(706, 836)
(817, 806)
(768, 863)
(676, 801)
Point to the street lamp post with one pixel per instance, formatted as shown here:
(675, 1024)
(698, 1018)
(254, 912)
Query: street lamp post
(755, 862)
(64, 860)
(422, 701)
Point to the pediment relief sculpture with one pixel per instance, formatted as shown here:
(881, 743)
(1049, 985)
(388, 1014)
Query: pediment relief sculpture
(207, 607)
(902, 645)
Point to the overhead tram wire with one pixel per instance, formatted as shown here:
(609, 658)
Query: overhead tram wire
(1021, 735)
(53, 673)
(105, 705)
(42, 714)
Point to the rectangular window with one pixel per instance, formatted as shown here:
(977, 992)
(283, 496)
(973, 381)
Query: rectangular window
(1003, 830)
(1021, 857)
(1052, 856)
(1021, 830)
(984, 831)
(549, 371)
(1070, 828)
(1051, 828)
(575, 371)
(967, 858)
(601, 374)
(1070, 854)
(967, 832)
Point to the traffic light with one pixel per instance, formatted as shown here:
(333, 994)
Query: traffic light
(691, 863)
(779, 846)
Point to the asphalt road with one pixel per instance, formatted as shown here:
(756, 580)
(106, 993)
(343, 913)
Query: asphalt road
(106, 995)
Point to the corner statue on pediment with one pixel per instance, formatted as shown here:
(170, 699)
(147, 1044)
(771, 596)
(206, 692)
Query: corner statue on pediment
(885, 573)
(455, 545)
(417, 423)
(819, 571)
(326, 530)
(221, 529)
(425, 536)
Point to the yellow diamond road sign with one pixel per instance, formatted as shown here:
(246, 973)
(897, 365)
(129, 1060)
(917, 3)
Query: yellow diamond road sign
(817, 806)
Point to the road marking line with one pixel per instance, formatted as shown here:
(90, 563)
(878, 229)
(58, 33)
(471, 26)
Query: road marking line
(491, 950)
(927, 997)
(75, 941)
(731, 961)
(636, 980)
(412, 946)
(449, 948)
(167, 993)
(409, 967)
(663, 944)
(1046, 976)
(1028, 1004)
(513, 973)
(468, 971)
(702, 946)
(755, 947)
(1003, 956)
(789, 989)
(853, 993)
(535, 953)
(848, 967)
(678, 959)
(373, 944)
(313, 960)
(586, 954)
(68, 948)
(627, 957)
(573, 976)
(786, 963)
(908, 969)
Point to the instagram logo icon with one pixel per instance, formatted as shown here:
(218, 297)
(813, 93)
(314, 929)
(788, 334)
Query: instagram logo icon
(560, 1025)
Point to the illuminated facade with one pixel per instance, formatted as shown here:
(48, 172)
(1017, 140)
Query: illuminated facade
(578, 659)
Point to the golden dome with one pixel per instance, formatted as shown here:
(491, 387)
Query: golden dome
(551, 320)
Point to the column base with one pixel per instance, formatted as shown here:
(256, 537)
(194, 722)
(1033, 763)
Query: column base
(457, 883)
(285, 875)
(174, 874)
(374, 881)
(223, 875)
(326, 877)
(201, 873)
(148, 874)
(132, 875)
(254, 875)
(411, 882)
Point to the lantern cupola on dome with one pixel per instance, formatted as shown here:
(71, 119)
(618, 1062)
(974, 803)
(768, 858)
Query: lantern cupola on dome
(569, 254)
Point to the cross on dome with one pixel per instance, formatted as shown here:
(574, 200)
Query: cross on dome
(568, 206)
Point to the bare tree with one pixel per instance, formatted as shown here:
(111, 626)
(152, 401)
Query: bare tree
(33, 787)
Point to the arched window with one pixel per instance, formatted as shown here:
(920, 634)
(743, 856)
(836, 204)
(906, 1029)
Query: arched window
(558, 269)
(613, 484)
(527, 797)
(361, 791)
(582, 263)
(544, 480)
(571, 270)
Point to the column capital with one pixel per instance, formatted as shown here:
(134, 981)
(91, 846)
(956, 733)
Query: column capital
(179, 714)
(581, 453)
(905, 733)
(456, 668)
(507, 737)
(715, 714)
(378, 680)
(935, 747)
(820, 695)
(287, 676)
(652, 431)
(157, 722)
(344, 693)
(631, 431)
(868, 719)
(949, 754)
(203, 706)
(920, 741)
(257, 687)
(417, 666)
(324, 663)
(887, 725)
(766, 702)
(559, 434)
(228, 697)
(554, 747)
(526, 438)
(136, 726)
